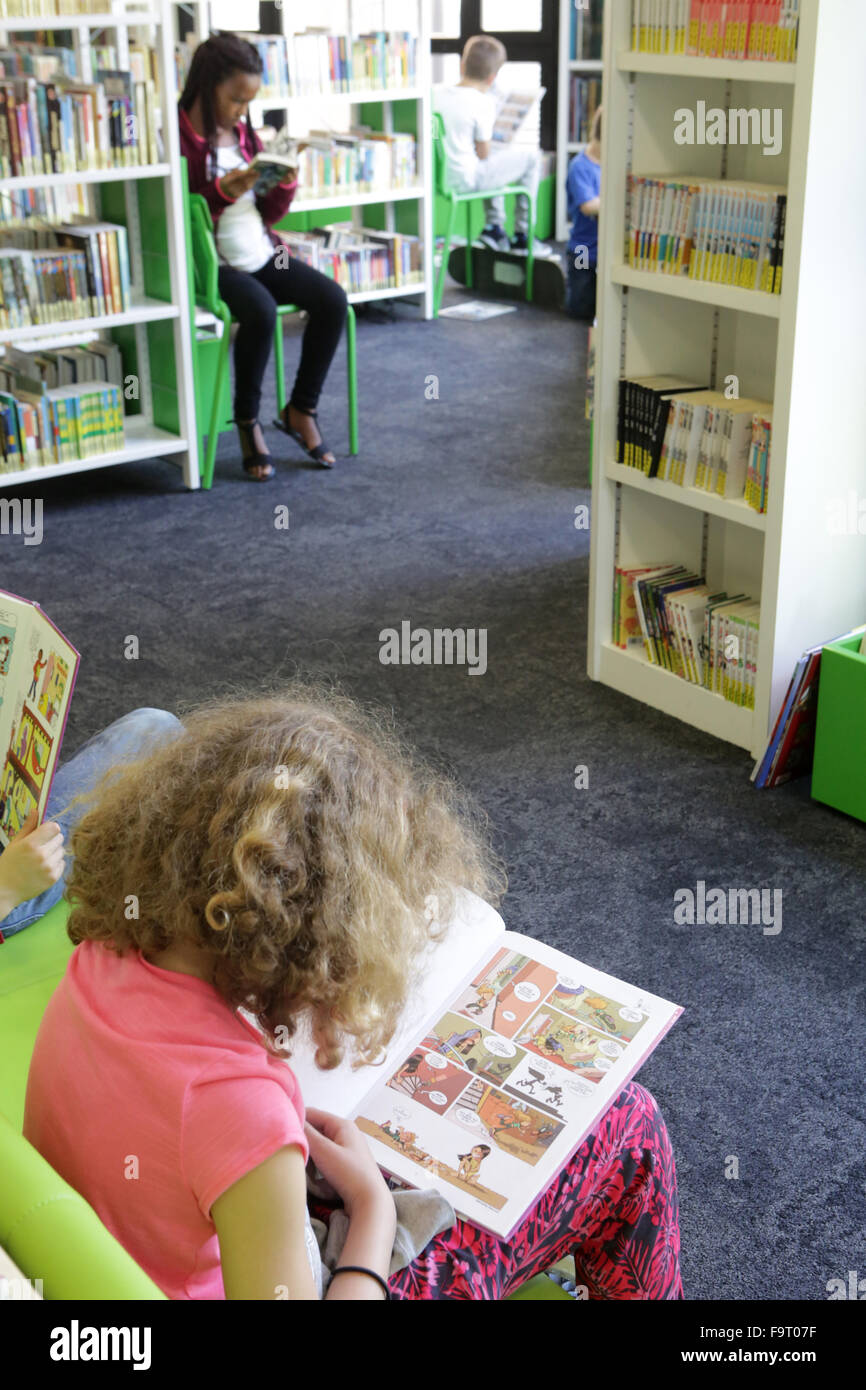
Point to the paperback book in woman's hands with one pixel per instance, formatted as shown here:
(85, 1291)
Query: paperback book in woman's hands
(37, 672)
(513, 1054)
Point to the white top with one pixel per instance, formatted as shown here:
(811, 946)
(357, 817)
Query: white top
(241, 236)
(468, 115)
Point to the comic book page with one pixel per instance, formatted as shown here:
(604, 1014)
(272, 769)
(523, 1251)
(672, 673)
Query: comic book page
(37, 673)
(509, 1080)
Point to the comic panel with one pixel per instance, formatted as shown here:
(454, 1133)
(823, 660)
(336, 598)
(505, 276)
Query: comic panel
(438, 1151)
(7, 640)
(54, 682)
(608, 1015)
(483, 1053)
(429, 1079)
(569, 1044)
(548, 1087)
(16, 800)
(519, 1129)
(506, 992)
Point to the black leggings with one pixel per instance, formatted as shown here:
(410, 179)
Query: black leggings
(253, 301)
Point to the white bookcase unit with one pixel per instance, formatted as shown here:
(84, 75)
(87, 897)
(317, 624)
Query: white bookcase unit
(143, 439)
(565, 148)
(336, 110)
(802, 349)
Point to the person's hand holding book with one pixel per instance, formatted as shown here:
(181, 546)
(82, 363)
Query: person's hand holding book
(30, 864)
(238, 181)
(342, 1156)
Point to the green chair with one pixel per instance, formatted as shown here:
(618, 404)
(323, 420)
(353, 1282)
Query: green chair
(205, 272)
(48, 1230)
(444, 190)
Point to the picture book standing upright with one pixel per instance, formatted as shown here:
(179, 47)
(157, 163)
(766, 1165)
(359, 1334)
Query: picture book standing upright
(37, 674)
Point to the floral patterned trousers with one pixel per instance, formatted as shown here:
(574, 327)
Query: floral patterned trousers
(614, 1207)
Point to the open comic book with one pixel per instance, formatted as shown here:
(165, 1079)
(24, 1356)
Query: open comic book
(510, 1056)
(37, 672)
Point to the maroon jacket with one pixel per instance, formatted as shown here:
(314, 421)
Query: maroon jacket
(272, 207)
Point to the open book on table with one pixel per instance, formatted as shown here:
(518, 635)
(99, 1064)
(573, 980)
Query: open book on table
(510, 1055)
(37, 672)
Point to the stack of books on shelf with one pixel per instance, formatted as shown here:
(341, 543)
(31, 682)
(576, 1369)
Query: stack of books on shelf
(758, 30)
(315, 62)
(584, 96)
(72, 271)
(56, 407)
(707, 229)
(360, 259)
(64, 126)
(587, 28)
(358, 162)
(680, 432)
(707, 638)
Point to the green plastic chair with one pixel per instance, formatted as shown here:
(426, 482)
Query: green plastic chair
(46, 1227)
(205, 268)
(444, 189)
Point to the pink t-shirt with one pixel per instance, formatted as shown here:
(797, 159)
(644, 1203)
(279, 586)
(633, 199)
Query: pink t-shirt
(150, 1096)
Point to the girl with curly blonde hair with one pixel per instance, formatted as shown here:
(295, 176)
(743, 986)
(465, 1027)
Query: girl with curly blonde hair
(266, 863)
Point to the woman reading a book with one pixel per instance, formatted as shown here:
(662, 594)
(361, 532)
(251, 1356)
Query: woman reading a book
(278, 855)
(256, 272)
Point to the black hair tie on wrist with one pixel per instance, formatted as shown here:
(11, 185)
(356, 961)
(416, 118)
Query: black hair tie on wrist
(359, 1269)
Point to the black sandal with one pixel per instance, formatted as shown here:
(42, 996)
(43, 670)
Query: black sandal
(318, 451)
(253, 459)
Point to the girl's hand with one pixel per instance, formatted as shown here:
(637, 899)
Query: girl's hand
(342, 1155)
(238, 181)
(30, 863)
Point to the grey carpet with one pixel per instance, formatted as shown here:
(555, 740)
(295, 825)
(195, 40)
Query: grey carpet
(458, 513)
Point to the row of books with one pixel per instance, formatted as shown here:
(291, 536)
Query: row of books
(757, 30)
(25, 58)
(59, 425)
(360, 259)
(681, 432)
(74, 271)
(358, 162)
(99, 360)
(312, 63)
(586, 30)
(705, 637)
(37, 9)
(63, 127)
(584, 97)
(730, 233)
(65, 203)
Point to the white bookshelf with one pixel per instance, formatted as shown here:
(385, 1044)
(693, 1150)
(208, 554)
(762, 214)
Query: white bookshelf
(143, 439)
(354, 17)
(802, 349)
(566, 149)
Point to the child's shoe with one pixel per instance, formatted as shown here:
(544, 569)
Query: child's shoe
(495, 238)
(520, 242)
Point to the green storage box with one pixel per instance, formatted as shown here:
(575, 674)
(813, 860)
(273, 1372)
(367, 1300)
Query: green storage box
(839, 770)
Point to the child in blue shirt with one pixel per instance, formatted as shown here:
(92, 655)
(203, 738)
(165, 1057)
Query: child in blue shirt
(584, 199)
